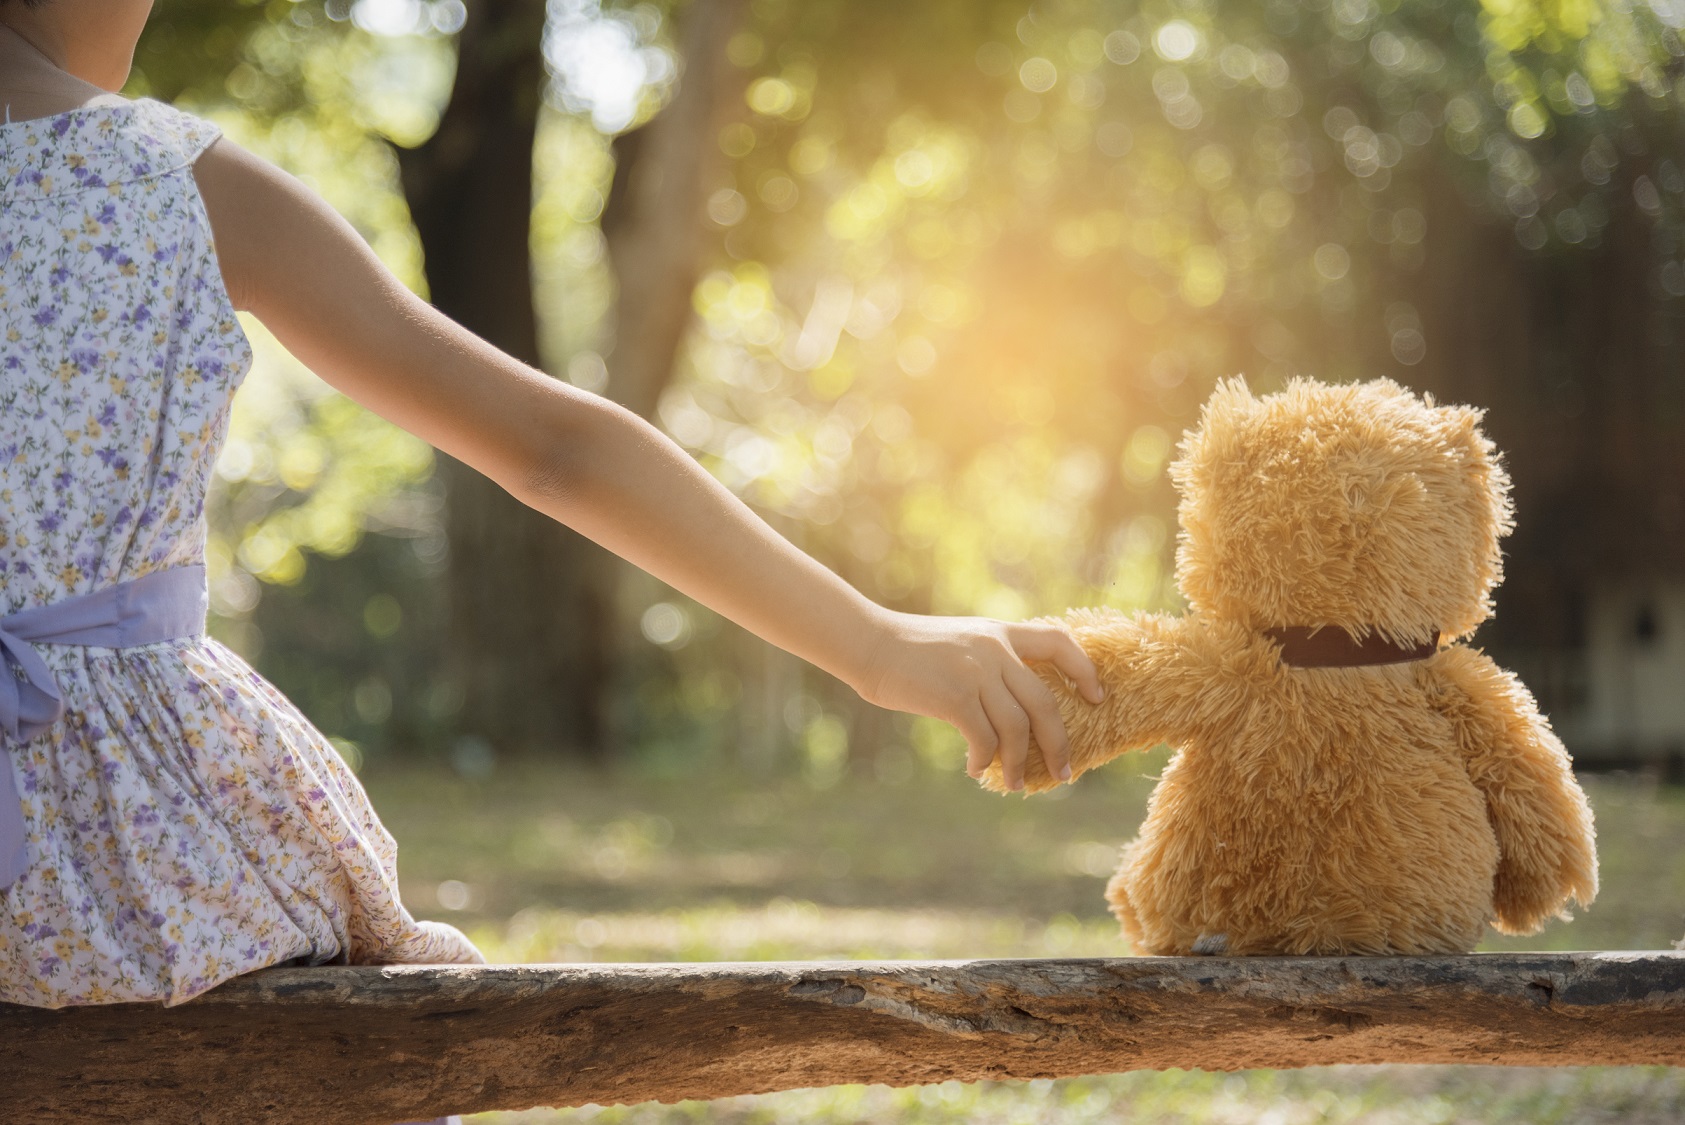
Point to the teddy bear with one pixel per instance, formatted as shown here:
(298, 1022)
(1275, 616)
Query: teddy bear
(1349, 776)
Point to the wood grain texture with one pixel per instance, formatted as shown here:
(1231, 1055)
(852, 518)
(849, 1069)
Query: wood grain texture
(348, 1046)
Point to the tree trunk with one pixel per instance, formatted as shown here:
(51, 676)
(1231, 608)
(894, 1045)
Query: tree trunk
(532, 622)
(527, 601)
(655, 218)
(655, 226)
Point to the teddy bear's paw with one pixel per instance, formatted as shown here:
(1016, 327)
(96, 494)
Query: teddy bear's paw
(1211, 945)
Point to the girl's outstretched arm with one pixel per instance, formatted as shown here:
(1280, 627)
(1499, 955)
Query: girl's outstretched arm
(293, 262)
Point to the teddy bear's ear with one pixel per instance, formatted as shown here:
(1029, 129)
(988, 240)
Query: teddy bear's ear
(1462, 426)
(1231, 396)
(1478, 512)
(1459, 432)
(1482, 464)
(1231, 402)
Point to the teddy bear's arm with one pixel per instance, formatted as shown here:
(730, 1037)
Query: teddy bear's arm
(1547, 850)
(1158, 672)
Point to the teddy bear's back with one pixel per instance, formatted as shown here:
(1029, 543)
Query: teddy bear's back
(1334, 816)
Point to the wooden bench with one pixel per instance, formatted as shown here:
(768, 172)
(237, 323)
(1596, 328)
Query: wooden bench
(351, 1046)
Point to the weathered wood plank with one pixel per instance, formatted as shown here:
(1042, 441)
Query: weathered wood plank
(347, 1046)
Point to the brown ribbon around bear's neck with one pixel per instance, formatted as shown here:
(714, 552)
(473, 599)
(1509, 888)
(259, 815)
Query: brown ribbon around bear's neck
(1329, 646)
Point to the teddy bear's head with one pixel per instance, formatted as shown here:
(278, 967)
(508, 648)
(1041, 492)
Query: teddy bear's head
(1358, 505)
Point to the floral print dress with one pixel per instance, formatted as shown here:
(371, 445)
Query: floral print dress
(184, 823)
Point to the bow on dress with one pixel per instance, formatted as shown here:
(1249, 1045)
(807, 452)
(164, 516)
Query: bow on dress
(160, 606)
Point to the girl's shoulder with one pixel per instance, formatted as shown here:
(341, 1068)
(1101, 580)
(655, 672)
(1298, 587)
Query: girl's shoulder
(101, 145)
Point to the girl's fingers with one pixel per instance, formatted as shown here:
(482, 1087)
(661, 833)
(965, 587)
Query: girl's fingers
(1045, 723)
(1052, 645)
(1012, 725)
(980, 739)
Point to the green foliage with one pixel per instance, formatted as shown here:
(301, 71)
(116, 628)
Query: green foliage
(191, 48)
(979, 260)
(572, 284)
(976, 264)
(305, 469)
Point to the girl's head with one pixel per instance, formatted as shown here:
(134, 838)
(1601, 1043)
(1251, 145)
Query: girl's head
(94, 40)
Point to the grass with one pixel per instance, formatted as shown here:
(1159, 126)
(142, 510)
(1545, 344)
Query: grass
(541, 863)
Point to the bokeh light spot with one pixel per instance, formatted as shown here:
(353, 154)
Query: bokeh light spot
(914, 169)
(1122, 48)
(1526, 120)
(382, 615)
(778, 192)
(1532, 233)
(666, 624)
(1204, 277)
(1145, 455)
(588, 372)
(1332, 261)
(1409, 346)
(1038, 75)
(810, 156)
(916, 355)
(727, 207)
(1176, 41)
(453, 894)
(745, 49)
(1021, 106)
(771, 97)
(1114, 139)
(737, 140)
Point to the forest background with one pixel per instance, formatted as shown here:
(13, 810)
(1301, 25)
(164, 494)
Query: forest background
(936, 287)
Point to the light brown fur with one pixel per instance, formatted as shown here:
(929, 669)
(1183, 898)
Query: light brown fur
(1387, 809)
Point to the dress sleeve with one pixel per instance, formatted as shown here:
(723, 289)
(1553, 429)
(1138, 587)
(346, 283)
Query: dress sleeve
(185, 135)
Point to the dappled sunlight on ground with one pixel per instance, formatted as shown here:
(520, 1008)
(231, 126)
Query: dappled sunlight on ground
(1432, 1095)
(535, 836)
(785, 930)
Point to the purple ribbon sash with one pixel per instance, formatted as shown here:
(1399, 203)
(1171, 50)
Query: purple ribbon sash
(162, 606)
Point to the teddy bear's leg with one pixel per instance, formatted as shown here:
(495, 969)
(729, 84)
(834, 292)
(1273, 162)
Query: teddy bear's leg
(1123, 908)
(1117, 896)
(1135, 929)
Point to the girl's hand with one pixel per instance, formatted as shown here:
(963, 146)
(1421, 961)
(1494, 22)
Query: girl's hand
(969, 671)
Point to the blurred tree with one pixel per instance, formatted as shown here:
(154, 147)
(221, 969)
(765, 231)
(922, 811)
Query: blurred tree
(527, 621)
(654, 220)
(532, 604)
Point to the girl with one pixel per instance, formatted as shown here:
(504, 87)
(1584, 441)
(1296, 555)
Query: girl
(176, 821)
